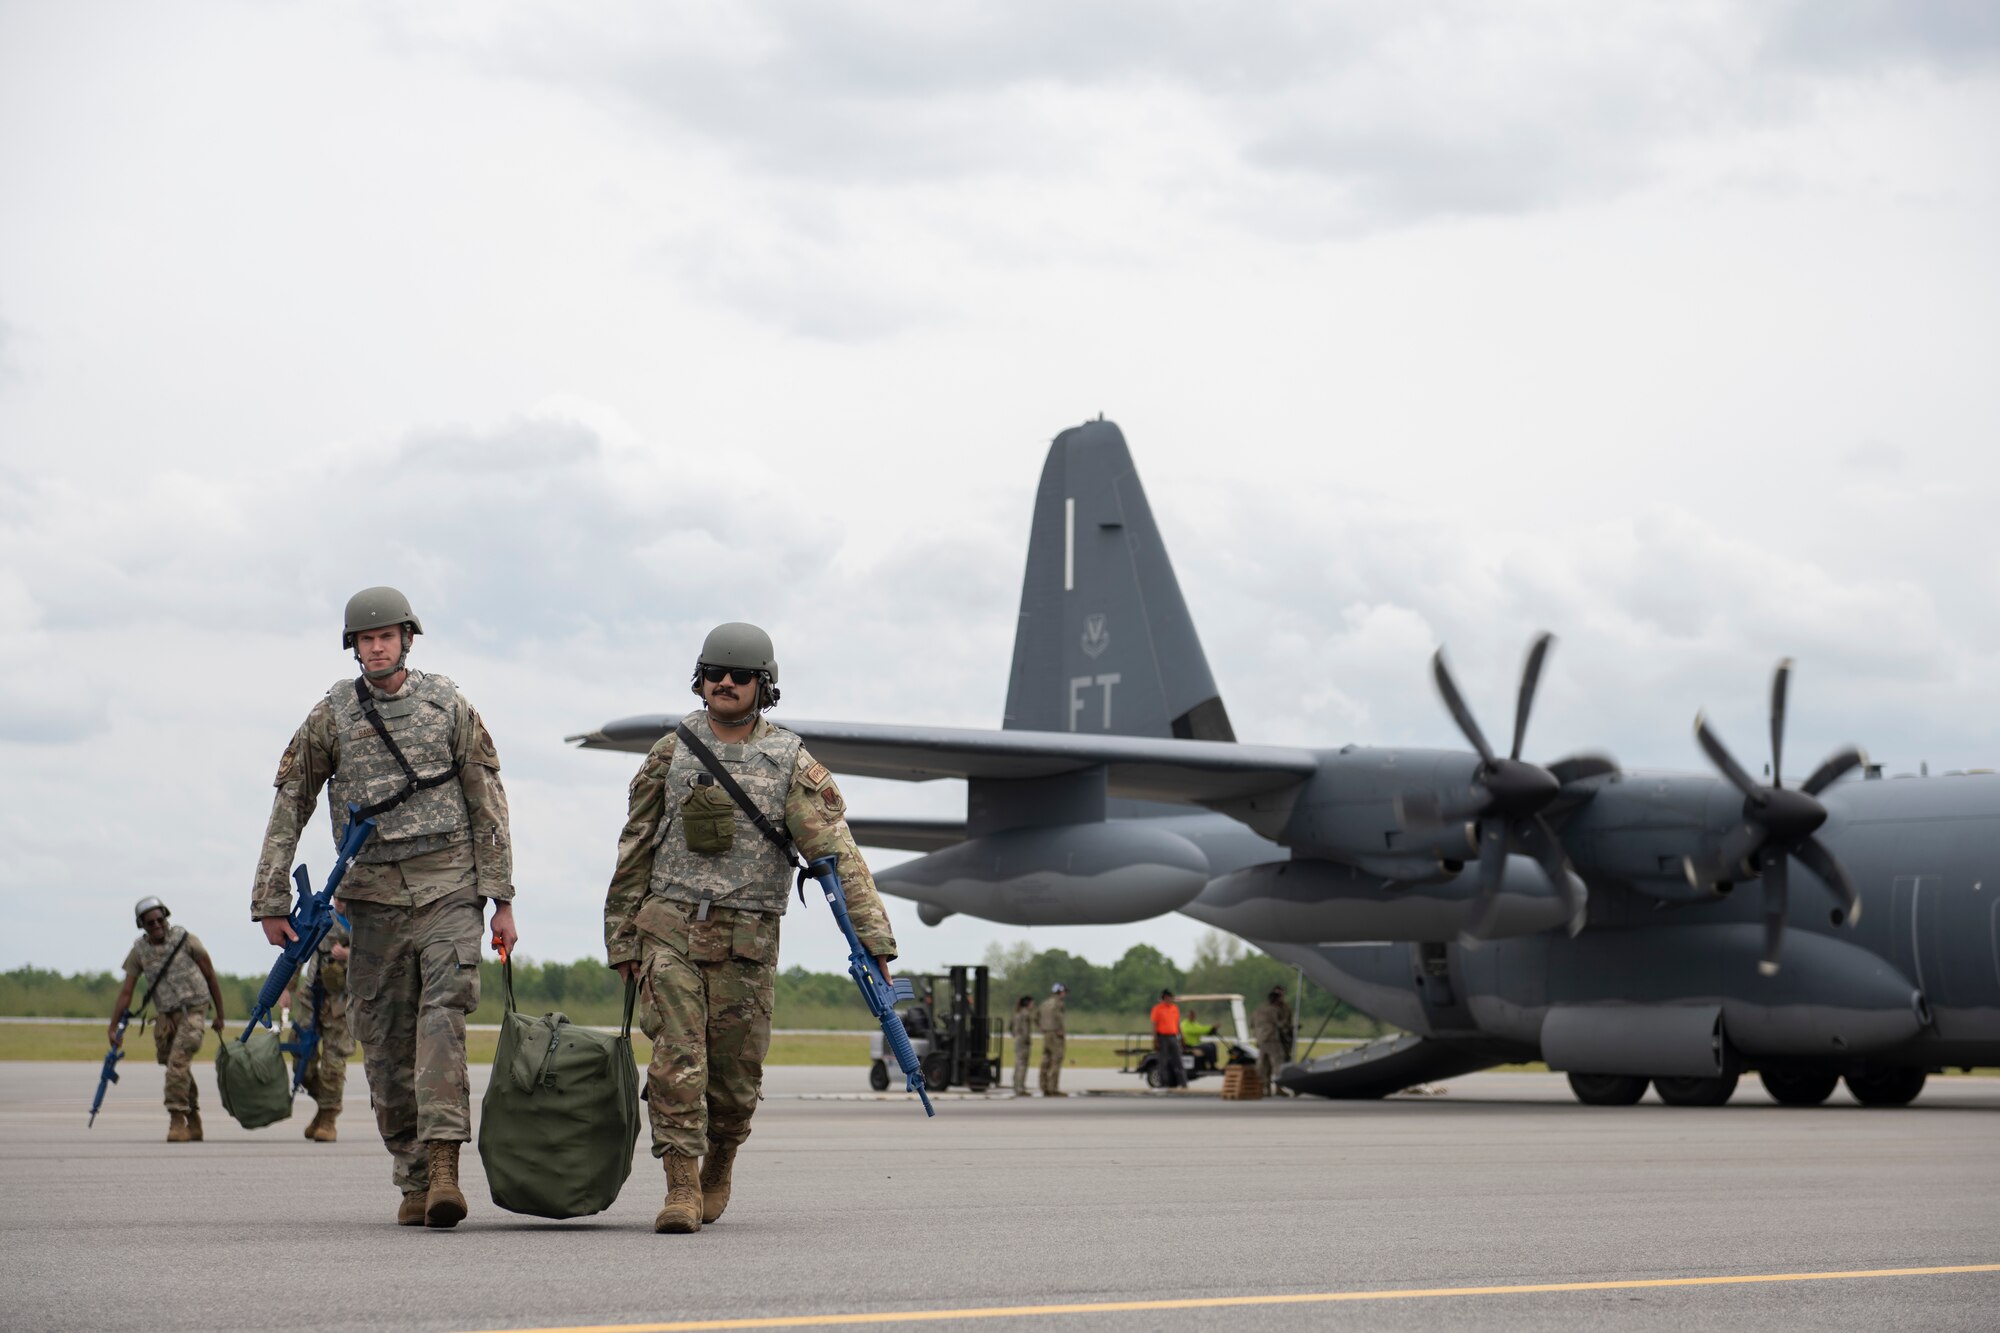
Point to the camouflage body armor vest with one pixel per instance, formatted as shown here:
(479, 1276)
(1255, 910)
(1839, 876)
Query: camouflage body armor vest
(182, 986)
(752, 875)
(423, 722)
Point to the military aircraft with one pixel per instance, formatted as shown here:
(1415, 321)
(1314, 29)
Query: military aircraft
(1630, 929)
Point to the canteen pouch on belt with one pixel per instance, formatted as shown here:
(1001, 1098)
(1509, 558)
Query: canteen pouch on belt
(708, 818)
(561, 1114)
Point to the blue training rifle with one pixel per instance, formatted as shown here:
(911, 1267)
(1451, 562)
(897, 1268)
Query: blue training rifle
(311, 919)
(109, 1074)
(304, 1044)
(867, 974)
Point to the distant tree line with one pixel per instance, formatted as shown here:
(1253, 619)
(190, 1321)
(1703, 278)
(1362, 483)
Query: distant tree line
(1111, 998)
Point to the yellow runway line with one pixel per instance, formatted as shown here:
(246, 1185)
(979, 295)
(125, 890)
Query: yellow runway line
(1239, 1302)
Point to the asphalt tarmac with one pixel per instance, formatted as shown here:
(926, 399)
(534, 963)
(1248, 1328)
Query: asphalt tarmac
(1188, 1211)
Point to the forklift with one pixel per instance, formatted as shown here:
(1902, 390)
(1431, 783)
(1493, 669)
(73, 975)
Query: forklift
(949, 1030)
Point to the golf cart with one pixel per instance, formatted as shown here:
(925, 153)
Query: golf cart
(1230, 1044)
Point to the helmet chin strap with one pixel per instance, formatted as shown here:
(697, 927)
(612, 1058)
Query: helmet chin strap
(384, 673)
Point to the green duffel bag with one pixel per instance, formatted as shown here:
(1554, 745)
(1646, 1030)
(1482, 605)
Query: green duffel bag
(256, 1086)
(560, 1118)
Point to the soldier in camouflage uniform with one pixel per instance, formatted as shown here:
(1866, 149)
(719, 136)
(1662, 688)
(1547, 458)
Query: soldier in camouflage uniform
(325, 982)
(181, 986)
(409, 750)
(1022, 1029)
(1055, 1039)
(694, 907)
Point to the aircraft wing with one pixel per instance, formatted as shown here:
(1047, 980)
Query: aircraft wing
(907, 835)
(1144, 767)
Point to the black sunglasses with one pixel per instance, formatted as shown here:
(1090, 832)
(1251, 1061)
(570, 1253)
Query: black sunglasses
(737, 675)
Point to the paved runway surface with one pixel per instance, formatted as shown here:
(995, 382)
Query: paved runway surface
(850, 1205)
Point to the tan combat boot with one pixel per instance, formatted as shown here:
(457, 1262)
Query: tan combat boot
(194, 1126)
(410, 1212)
(177, 1128)
(682, 1213)
(715, 1170)
(444, 1206)
(321, 1129)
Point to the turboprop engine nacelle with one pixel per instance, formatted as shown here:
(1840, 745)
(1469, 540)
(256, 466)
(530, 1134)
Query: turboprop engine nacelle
(1059, 875)
(1329, 902)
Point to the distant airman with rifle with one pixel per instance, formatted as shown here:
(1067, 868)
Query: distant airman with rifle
(181, 988)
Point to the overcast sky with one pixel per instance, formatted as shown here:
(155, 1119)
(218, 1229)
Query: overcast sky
(1672, 328)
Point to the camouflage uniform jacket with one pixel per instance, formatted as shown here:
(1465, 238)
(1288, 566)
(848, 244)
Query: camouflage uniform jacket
(1271, 1027)
(435, 727)
(814, 814)
(183, 986)
(1051, 1017)
(1022, 1027)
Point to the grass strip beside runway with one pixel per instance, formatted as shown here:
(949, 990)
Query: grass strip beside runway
(1245, 1302)
(72, 1041)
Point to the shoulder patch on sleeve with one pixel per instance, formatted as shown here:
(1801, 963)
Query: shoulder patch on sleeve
(483, 750)
(288, 763)
(817, 774)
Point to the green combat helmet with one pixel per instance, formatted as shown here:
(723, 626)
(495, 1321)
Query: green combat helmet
(737, 644)
(378, 608)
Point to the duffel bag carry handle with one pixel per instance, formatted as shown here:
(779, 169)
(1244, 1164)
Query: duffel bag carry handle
(506, 970)
(631, 997)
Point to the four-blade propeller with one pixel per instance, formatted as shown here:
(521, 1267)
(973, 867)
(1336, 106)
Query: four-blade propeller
(1505, 798)
(1777, 824)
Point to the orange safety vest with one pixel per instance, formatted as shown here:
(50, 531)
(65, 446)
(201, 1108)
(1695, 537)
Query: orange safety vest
(1166, 1019)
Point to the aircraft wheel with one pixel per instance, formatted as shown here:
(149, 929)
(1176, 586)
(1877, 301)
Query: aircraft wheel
(1798, 1087)
(1607, 1089)
(878, 1076)
(1696, 1091)
(1885, 1085)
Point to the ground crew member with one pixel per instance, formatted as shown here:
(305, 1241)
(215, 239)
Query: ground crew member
(694, 908)
(407, 748)
(1167, 1042)
(326, 1078)
(181, 987)
(1055, 1036)
(1271, 1029)
(1022, 1030)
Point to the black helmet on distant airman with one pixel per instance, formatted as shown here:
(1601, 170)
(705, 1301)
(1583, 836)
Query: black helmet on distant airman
(379, 608)
(743, 647)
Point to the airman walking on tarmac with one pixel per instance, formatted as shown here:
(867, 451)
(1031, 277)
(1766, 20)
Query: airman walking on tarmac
(1055, 1036)
(693, 911)
(407, 749)
(318, 999)
(181, 986)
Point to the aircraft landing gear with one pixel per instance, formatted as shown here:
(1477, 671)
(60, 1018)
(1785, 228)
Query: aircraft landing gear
(1607, 1089)
(1885, 1085)
(1798, 1087)
(1696, 1091)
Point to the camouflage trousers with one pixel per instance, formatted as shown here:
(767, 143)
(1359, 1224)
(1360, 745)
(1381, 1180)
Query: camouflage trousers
(1052, 1060)
(412, 978)
(326, 1078)
(177, 1039)
(1270, 1059)
(705, 998)
(1023, 1053)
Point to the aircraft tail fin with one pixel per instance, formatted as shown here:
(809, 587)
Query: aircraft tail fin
(1104, 642)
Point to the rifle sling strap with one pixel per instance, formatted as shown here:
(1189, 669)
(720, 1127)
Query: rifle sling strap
(743, 802)
(412, 784)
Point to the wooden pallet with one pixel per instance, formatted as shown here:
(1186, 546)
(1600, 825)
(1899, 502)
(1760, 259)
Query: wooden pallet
(1241, 1084)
